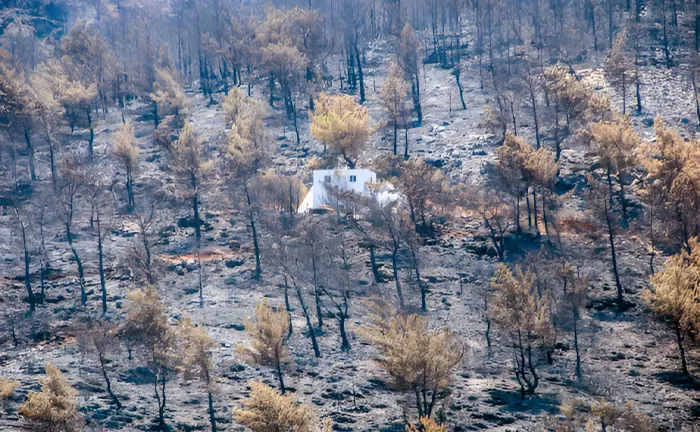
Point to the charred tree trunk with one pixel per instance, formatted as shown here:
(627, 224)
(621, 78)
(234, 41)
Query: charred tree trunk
(287, 306)
(681, 350)
(611, 238)
(100, 257)
(256, 247)
(27, 277)
(373, 262)
(397, 278)
(130, 188)
(280, 377)
(79, 263)
(30, 151)
(212, 412)
(92, 136)
(457, 74)
(312, 332)
(108, 382)
(360, 74)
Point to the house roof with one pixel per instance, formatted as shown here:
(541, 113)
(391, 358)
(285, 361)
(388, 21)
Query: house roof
(343, 171)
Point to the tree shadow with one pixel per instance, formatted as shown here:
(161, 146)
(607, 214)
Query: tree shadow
(511, 401)
(678, 379)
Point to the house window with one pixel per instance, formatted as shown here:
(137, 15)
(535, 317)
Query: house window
(327, 179)
(353, 179)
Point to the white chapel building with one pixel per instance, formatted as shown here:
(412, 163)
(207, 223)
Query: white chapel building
(355, 180)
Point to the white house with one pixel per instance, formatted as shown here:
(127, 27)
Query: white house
(355, 180)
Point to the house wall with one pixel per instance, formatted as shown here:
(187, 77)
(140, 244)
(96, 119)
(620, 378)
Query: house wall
(341, 180)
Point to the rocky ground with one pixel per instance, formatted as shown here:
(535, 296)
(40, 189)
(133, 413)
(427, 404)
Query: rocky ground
(626, 357)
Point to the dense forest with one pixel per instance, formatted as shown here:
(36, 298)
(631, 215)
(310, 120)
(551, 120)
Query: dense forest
(349, 215)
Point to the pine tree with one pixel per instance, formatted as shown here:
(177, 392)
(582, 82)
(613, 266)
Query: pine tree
(266, 410)
(246, 154)
(268, 345)
(193, 166)
(524, 318)
(168, 96)
(393, 93)
(408, 56)
(7, 387)
(515, 179)
(341, 124)
(99, 340)
(619, 67)
(673, 173)
(126, 150)
(542, 170)
(675, 295)
(233, 104)
(197, 360)
(54, 406)
(147, 326)
(426, 424)
(575, 290)
(616, 144)
(418, 359)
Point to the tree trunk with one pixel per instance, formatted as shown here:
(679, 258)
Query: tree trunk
(488, 325)
(360, 74)
(544, 213)
(578, 354)
(637, 78)
(416, 99)
(397, 279)
(92, 136)
(319, 313)
(42, 282)
(459, 87)
(108, 383)
(624, 95)
(27, 277)
(130, 188)
(557, 141)
(79, 263)
(287, 306)
(161, 404)
(30, 151)
(200, 271)
(100, 257)
(345, 342)
(667, 52)
(280, 378)
(534, 212)
(147, 251)
(197, 220)
(373, 262)
(155, 114)
(312, 332)
(423, 289)
(395, 135)
(296, 124)
(256, 247)
(533, 372)
(681, 350)
(611, 237)
(212, 413)
(52, 159)
(533, 101)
